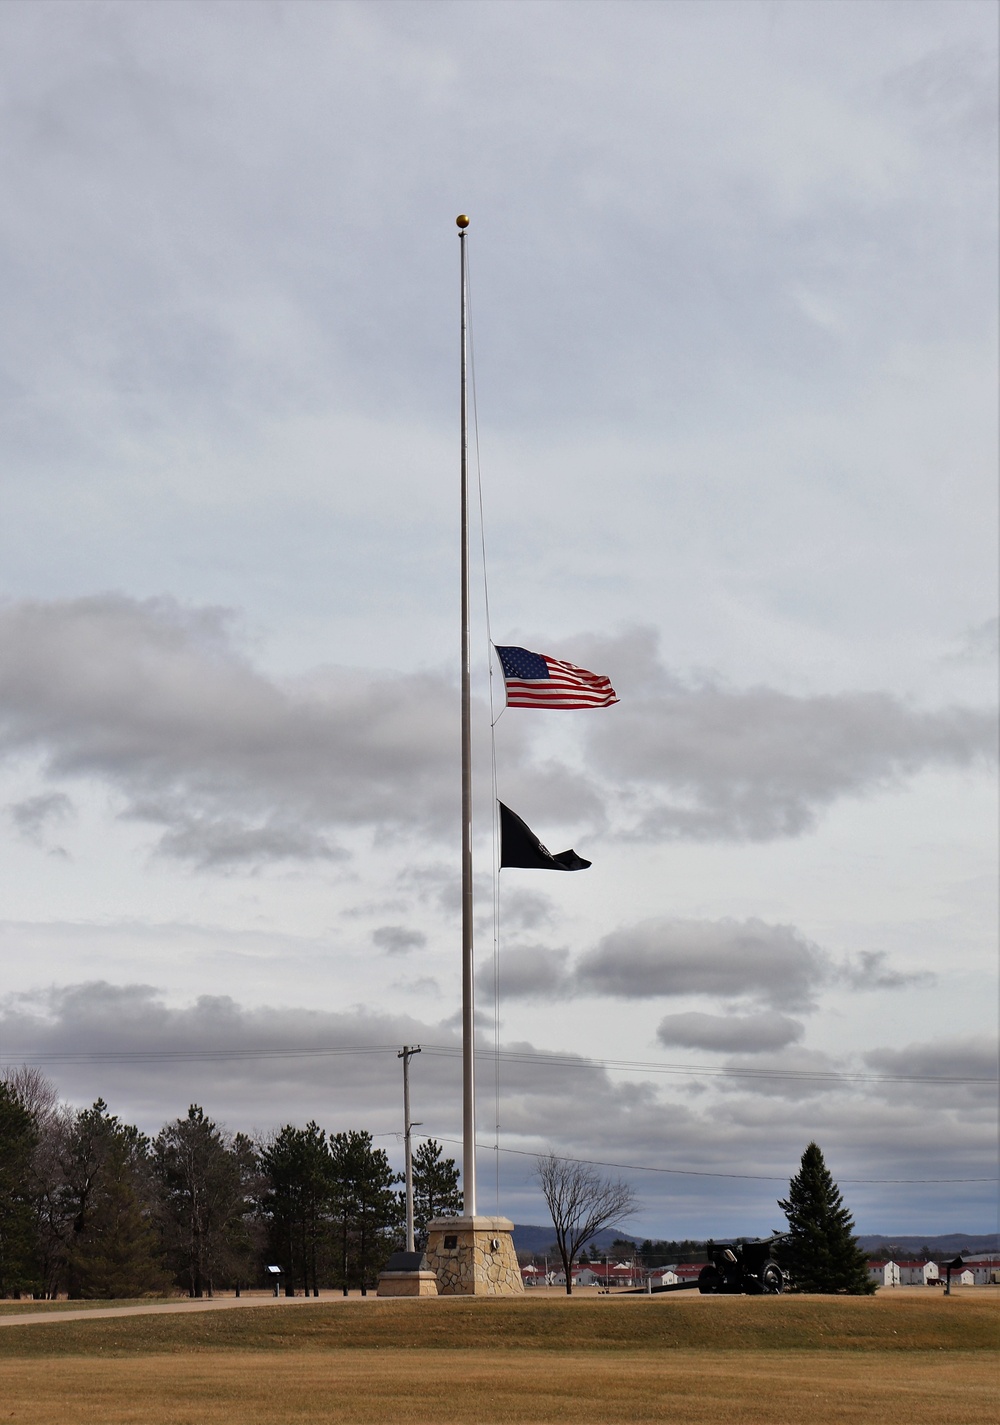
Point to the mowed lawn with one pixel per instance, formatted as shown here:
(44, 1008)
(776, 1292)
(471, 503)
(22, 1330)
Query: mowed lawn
(904, 1356)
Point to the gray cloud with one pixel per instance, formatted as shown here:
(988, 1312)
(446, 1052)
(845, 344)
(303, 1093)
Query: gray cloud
(744, 1124)
(34, 815)
(134, 1022)
(440, 885)
(153, 1076)
(773, 964)
(729, 1033)
(156, 700)
(706, 761)
(974, 1057)
(224, 843)
(957, 1077)
(582, 140)
(548, 793)
(870, 970)
(529, 972)
(159, 702)
(422, 985)
(526, 910)
(398, 939)
(794, 1074)
(979, 644)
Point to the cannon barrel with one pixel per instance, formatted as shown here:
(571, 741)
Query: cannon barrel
(655, 1290)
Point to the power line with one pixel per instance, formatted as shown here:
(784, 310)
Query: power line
(701, 1173)
(182, 1056)
(575, 1061)
(192, 1056)
(511, 1056)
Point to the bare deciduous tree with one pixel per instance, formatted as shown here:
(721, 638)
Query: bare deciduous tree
(45, 1182)
(32, 1090)
(582, 1203)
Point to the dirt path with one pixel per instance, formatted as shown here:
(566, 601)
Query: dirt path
(161, 1308)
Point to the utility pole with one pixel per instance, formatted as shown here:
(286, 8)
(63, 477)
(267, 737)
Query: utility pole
(406, 1054)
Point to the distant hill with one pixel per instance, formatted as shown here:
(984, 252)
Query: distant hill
(949, 1244)
(539, 1239)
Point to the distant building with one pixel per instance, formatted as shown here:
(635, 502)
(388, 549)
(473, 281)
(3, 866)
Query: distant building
(884, 1273)
(663, 1276)
(985, 1270)
(689, 1271)
(608, 1274)
(918, 1273)
(977, 1271)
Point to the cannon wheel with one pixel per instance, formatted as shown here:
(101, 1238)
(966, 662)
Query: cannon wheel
(709, 1280)
(772, 1280)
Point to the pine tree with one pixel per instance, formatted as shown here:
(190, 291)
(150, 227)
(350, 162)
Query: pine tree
(368, 1211)
(436, 1192)
(108, 1204)
(203, 1181)
(822, 1253)
(119, 1255)
(297, 1202)
(18, 1244)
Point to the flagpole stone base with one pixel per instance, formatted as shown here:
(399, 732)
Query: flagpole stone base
(407, 1284)
(407, 1274)
(473, 1256)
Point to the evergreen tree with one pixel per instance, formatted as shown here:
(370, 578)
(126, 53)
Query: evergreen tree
(436, 1192)
(245, 1236)
(821, 1254)
(297, 1202)
(108, 1200)
(18, 1238)
(367, 1210)
(204, 1184)
(119, 1254)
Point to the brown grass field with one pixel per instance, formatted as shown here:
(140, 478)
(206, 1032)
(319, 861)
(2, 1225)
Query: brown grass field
(908, 1356)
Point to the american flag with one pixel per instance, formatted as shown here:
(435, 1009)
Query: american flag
(536, 681)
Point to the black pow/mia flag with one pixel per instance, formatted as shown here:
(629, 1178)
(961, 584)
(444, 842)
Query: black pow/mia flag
(519, 846)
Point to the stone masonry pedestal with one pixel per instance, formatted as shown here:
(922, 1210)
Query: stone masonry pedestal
(407, 1274)
(407, 1284)
(473, 1256)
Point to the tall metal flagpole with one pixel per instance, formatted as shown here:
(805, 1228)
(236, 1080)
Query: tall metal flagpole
(468, 962)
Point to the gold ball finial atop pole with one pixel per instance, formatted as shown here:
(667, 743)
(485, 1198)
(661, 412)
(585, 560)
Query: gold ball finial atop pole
(462, 221)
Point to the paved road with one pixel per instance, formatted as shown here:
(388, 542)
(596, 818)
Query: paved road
(158, 1308)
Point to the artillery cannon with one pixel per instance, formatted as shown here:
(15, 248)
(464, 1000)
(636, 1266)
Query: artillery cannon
(736, 1268)
(746, 1268)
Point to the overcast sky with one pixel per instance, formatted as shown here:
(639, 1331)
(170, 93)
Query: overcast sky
(734, 310)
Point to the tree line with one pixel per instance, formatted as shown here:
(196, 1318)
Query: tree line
(92, 1207)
